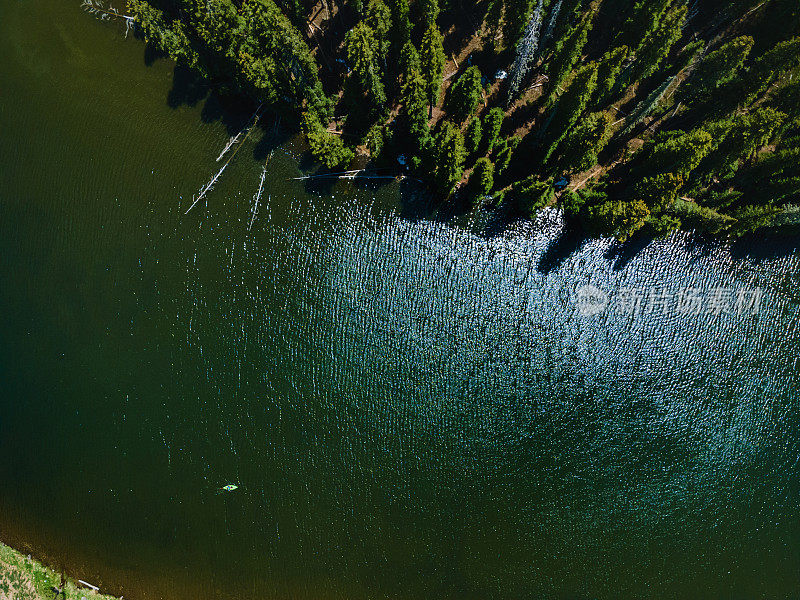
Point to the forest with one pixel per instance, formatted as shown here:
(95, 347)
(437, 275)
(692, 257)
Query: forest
(635, 116)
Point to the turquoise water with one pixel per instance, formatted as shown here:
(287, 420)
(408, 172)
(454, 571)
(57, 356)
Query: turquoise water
(412, 405)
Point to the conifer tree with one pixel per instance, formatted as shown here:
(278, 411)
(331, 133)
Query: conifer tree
(773, 177)
(169, 34)
(473, 135)
(718, 67)
(608, 70)
(409, 62)
(679, 153)
(481, 180)
(430, 10)
(658, 42)
(216, 22)
(568, 51)
(526, 52)
(658, 192)
(647, 106)
(550, 24)
(492, 123)
(584, 142)
(361, 45)
(746, 134)
(414, 109)
(492, 22)
(326, 147)
(465, 94)
(569, 108)
(700, 218)
(432, 60)
(644, 17)
(280, 62)
(505, 151)
(618, 218)
(755, 80)
(772, 65)
(379, 18)
(516, 16)
(449, 156)
(531, 194)
(401, 25)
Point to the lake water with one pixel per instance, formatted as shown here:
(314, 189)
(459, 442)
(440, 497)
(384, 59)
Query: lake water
(413, 405)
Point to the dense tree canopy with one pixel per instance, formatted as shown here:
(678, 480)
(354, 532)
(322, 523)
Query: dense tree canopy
(668, 113)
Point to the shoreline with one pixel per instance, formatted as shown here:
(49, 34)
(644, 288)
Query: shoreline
(25, 578)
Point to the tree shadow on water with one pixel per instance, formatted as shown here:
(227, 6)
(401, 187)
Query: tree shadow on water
(234, 113)
(273, 137)
(760, 246)
(624, 252)
(417, 202)
(569, 241)
(187, 88)
(501, 218)
(152, 54)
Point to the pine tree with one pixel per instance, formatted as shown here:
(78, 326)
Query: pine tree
(644, 18)
(430, 9)
(516, 16)
(492, 22)
(326, 147)
(550, 25)
(772, 65)
(717, 68)
(583, 144)
(473, 135)
(492, 123)
(529, 195)
(218, 23)
(618, 218)
(773, 177)
(481, 180)
(658, 42)
(787, 101)
(527, 50)
(401, 25)
(432, 60)
(465, 94)
(449, 156)
(409, 63)
(646, 106)
(280, 61)
(608, 70)
(569, 108)
(568, 51)
(169, 34)
(413, 108)
(700, 218)
(658, 192)
(746, 134)
(680, 153)
(361, 45)
(505, 151)
(379, 18)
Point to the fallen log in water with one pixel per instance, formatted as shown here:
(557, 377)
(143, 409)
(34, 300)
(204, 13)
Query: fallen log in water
(106, 13)
(227, 147)
(257, 197)
(343, 175)
(207, 187)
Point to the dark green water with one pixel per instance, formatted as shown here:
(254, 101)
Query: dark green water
(413, 407)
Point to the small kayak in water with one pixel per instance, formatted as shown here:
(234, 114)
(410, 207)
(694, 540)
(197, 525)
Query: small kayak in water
(229, 488)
